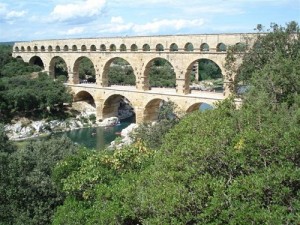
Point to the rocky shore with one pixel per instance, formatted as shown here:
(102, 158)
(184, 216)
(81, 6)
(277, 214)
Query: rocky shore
(125, 137)
(24, 128)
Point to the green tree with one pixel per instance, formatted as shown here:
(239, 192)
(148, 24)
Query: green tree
(279, 40)
(28, 194)
(208, 70)
(221, 166)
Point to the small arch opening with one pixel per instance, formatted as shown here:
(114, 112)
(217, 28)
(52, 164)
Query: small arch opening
(123, 48)
(83, 48)
(189, 47)
(174, 47)
(93, 48)
(134, 48)
(74, 48)
(66, 48)
(112, 48)
(102, 48)
(204, 47)
(146, 48)
(221, 47)
(159, 48)
(57, 48)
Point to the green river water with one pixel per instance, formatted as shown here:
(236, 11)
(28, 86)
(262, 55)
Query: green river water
(96, 137)
(100, 137)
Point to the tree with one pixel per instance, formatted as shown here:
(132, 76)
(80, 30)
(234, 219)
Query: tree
(208, 70)
(153, 134)
(279, 40)
(28, 193)
(221, 166)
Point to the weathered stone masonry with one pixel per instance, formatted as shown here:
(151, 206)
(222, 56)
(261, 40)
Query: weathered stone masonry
(181, 51)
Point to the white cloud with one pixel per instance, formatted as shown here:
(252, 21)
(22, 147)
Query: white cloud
(73, 31)
(87, 8)
(156, 26)
(117, 19)
(14, 14)
(117, 25)
(2, 8)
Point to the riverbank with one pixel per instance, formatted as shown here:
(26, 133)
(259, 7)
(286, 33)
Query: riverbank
(26, 129)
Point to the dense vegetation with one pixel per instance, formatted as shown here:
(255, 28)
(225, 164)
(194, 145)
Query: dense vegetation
(221, 166)
(25, 91)
(29, 194)
(224, 166)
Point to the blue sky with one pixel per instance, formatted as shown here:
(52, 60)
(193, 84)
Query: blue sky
(25, 20)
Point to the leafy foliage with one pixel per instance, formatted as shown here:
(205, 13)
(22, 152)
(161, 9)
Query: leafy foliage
(161, 74)
(22, 95)
(86, 68)
(28, 194)
(208, 70)
(221, 166)
(99, 180)
(152, 134)
(280, 41)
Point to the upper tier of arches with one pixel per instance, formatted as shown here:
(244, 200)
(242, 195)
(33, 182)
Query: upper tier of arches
(218, 43)
(188, 47)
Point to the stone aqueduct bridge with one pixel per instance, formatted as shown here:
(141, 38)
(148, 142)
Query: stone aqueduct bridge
(181, 51)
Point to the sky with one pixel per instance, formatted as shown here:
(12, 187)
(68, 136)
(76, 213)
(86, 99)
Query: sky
(25, 20)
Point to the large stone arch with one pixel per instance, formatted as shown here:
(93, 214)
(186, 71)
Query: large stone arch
(146, 69)
(191, 66)
(52, 63)
(104, 77)
(84, 96)
(36, 60)
(151, 109)
(196, 106)
(111, 105)
(74, 74)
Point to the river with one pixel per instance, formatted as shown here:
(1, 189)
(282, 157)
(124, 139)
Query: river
(100, 137)
(96, 137)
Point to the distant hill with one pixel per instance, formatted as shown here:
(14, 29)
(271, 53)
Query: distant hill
(7, 43)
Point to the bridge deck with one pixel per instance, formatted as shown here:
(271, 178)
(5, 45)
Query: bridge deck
(155, 90)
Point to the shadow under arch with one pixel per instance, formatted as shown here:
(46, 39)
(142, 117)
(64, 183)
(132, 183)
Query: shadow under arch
(83, 70)
(85, 97)
(36, 60)
(118, 71)
(200, 106)
(116, 105)
(151, 109)
(204, 70)
(19, 58)
(159, 72)
(58, 67)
